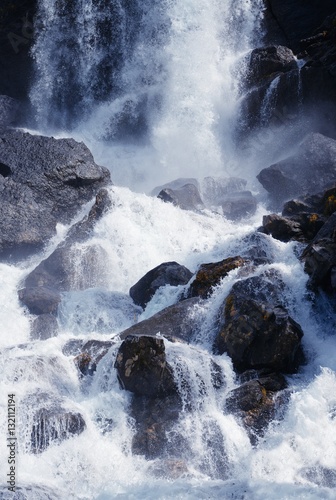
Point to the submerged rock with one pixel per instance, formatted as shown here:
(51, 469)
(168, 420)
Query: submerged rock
(256, 330)
(42, 181)
(168, 273)
(210, 275)
(142, 367)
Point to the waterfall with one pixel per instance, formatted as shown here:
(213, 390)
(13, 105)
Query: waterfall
(153, 88)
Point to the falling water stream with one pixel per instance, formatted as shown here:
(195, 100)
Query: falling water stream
(152, 87)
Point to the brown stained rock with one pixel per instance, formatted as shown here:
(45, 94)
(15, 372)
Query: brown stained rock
(210, 275)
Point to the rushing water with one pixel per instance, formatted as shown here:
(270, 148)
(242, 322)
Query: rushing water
(154, 92)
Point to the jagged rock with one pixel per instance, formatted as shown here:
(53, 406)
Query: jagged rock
(256, 330)
(168, 273)
(154, 419)
(43, 181)
(186, 197)
(91, 353)
(302, 227)
(57, 271)
(266, 61)
(142, 367)
(176, 322)
(40, 300)
(311, 170)
(210, 275)
(255, 402)
(52, 426)
(238, 205)
(320, 257)
(44, 327)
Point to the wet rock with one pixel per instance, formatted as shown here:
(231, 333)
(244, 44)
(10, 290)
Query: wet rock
(210, 275)
(301, 227)
(177, 322)
(266, 61)
(320, 257)
(170, 469)
(186, 197)
(52, 426)
(154, 419)
(142, 367)
(91, 353)
(311, 170)
(256, 249)
(46, 181)
(40, 300)
(176, 184)
(168, 273)
(73, 347)
(215, 188)
(255, 402)
(256, 330)
(323, 477)
(237, 205)
(44, 327)
(58, 271)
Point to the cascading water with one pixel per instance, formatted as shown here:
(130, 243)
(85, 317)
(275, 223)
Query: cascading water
(154, 94)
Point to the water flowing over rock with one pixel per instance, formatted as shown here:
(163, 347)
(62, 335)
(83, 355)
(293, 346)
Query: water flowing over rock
(187, 197)
(168, 273)
(90, 355)
(257, 330)
(44, 327)
(265, 62)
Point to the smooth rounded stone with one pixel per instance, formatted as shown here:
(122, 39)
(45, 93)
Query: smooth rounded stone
(168, 273)
(9, 111)
(268, 60)
(237, 205)
(210, 275)
(91, 353)
(256, 330)
(175, 184)
(311, 170)
(154, 418)
(142, 367)
(40, 300)
(43, 181)
(186, 197)
(44, 327)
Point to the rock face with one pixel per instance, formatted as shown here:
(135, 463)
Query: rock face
(142, 367)
(9, 111)
(257, 331)
(91, 353)
(210, 275)
(168, 273)
(42, 181)
(310, 170)
(40, 300)
(44, 327)
(176, 322)
(267, 61)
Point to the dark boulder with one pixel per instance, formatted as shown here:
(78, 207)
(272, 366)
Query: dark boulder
(210, 275)
(52, 426)
(267, 61)
(311, 170)
(256, 403)
(168, 273)
(154, 419)
(142, 367)
(44, 327)
(177, 322)
(40, 300)
(91, 353)
(237, 205)
(186, 197)
(256, 330)
(320, 257)
(43, 181)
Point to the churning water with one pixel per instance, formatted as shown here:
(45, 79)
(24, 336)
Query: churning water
(152, 87)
